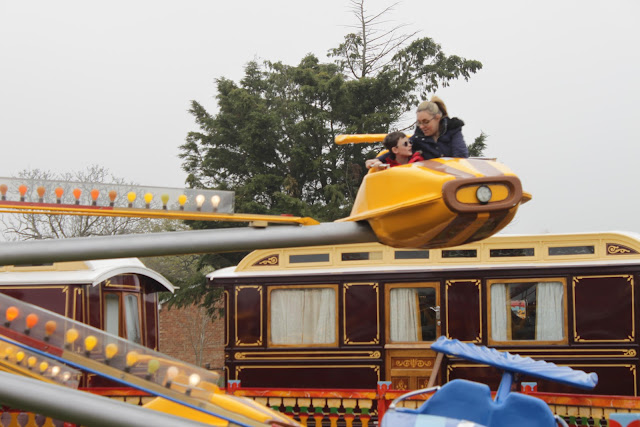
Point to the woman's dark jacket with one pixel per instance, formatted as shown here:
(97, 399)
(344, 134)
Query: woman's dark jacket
(450, 143)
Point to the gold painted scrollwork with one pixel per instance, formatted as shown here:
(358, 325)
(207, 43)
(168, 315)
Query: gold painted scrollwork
(630, 352)
(613, 249)
(269, 260)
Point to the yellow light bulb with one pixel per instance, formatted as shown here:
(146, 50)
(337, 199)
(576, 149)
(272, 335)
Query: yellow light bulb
(110, 350)
(8, 352)
(131, 197)
(31, 362)
(19, 356)
(90, 343)
(43, 367)
(148, 197)
(71, 336)
(132, 358)
(165, 200)
(153, 366)
(182, 199)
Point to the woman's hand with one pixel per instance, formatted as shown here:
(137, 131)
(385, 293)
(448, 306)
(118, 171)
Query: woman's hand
(372, 163)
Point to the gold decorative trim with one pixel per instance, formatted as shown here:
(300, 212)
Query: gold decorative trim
(616, 249)
(269, 260)
(478, 284)
(308, 355)
(108, 284)
(258, 342)
(376, 288)
(227, 317)
(630, 338)
(64, 289)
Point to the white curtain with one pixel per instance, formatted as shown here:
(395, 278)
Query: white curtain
(132, 318)
(549, 316)
(404, 324)
(499, 311)
(303, 316)
(112, 314)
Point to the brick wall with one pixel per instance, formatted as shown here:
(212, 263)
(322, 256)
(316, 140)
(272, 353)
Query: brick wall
(180, 329)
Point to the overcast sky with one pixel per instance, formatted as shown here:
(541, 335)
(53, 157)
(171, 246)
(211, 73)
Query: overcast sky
(110, 82)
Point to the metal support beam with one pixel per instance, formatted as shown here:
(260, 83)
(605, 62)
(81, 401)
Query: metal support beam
(183, 242)
(79, 407)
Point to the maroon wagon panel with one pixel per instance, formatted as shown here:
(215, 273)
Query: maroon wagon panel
(361, 313)
(248, 316)
(603, 308)
(58, 299)
(464, 318)
(327, 377)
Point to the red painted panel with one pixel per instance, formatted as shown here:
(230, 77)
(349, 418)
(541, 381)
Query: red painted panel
(603, 308)
(150, 327)
(248, 316)
(361, 314)
(310, 377)
(54, 299)
(463, 310)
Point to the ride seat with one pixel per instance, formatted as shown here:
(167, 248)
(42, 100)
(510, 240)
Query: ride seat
(461, 399)
(522, 411)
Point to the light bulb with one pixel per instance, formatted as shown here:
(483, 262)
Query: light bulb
(90, 343)
(65, 376)
(94, 196)
(215, 201)
(153, 366)
(31, 362)
(131, 359)
(50, 328)
(22, 190)
(172, 372)
(77, 193)
(19, 356)
(43, 367)
(112, 197)
(199, 201)
(8, 352)
(3, 190)
(40, 190)
(182, 199)
(59, 192)
(31, 321)
(148, 197)
(55, 371)
(11, 314)
(71, 336)
(194, 380)
(131, 196)
(165, 200)
(110, 350)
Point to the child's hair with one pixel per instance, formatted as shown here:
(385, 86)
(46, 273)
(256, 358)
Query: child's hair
(391, 141)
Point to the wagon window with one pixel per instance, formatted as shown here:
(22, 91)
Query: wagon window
(303, 316)
(132, 318)
(527, 311)
(112, 314)
(412, 314)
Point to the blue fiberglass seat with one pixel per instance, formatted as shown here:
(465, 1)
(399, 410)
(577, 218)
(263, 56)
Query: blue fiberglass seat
(461, 399)
(522, 411)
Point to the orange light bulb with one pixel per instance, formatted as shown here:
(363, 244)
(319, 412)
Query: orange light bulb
(23, 191)
(50, 327)
(31, 320)
(94, 196)
(11, 313)
(77, 193)
(59, 192)
(40, 190)
(3, 190)
(112, 196)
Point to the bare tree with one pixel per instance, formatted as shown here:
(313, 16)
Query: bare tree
(367, 50)
(42, 226)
